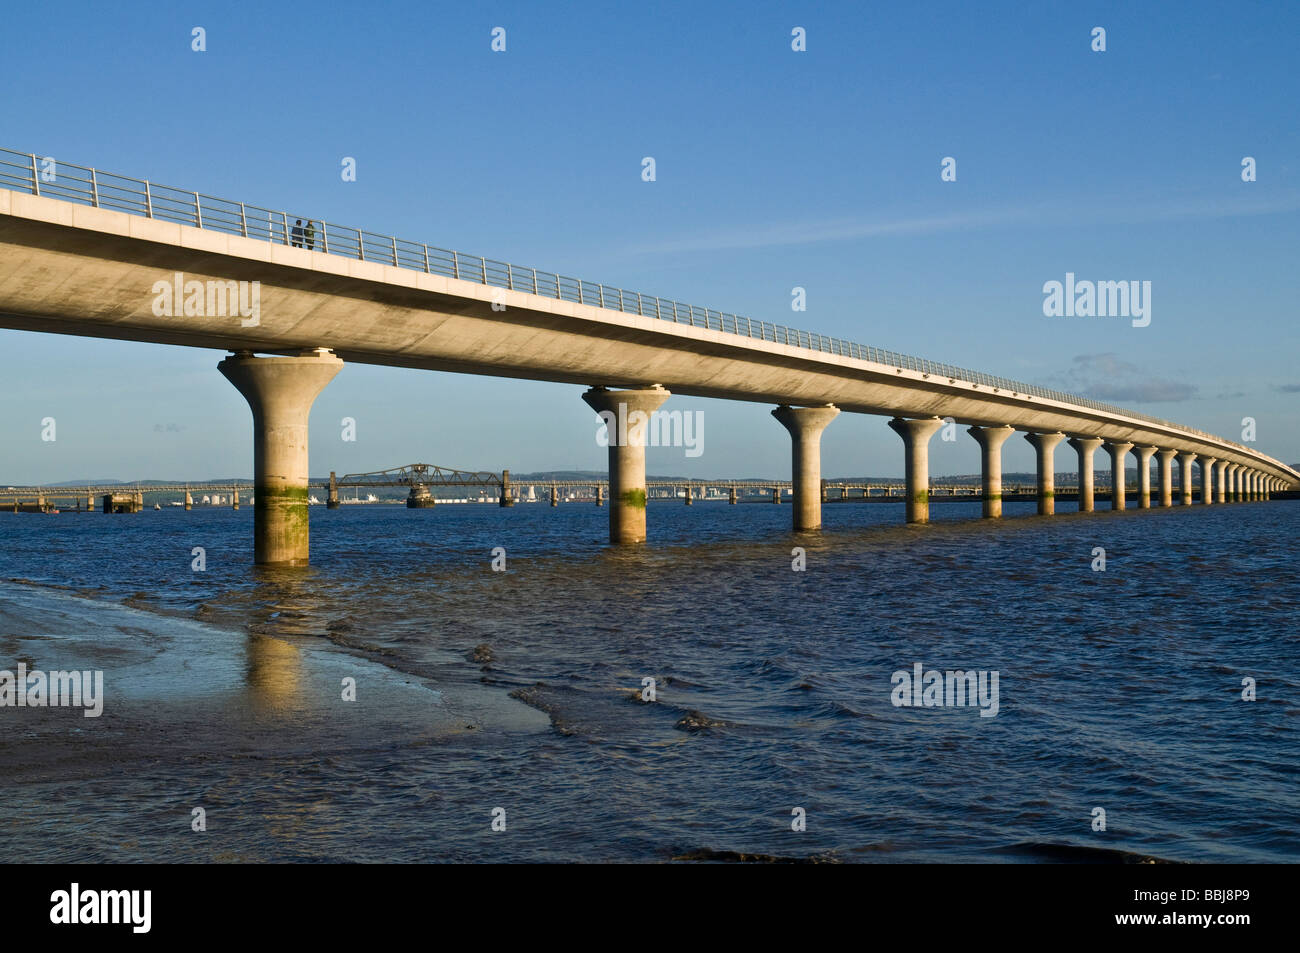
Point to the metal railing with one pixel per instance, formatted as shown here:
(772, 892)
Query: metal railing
(27, 172)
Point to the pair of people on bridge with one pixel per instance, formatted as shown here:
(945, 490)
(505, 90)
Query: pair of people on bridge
(303, 237)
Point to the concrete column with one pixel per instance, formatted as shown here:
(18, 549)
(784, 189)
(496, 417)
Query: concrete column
(1247, 485)
(991, 440)
(332, 501)
(600, 495)
(1143, 455)
(805, 425)
(626, 414)
(916, 436)
(555, 496)
(234, 500)
(189, 500)
(776, 495)
(732, 499)
(1085, 447)
(280, 392)
(1220, 482)
(1207, 479)
(1045, 450)
(1185, 461)
(1118, 461)
(507, 496)
(1166, 460)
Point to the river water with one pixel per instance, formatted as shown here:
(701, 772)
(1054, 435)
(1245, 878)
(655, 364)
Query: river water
(517, 696)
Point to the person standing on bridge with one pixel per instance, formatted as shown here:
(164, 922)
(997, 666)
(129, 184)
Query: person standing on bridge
(310, 234)
(296, 234)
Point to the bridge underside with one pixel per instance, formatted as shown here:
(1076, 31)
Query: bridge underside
(85, 271)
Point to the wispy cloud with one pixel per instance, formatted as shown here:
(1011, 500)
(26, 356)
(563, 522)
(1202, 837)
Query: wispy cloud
(1110, 211)
(1107, 377)
(1288, 388)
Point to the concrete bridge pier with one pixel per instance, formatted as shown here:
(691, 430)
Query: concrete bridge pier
(1143, 455)
(1234, 482)
(600, 495)
(1118, 457)
(1045, 450)
(805, 425)
(776, 495)
(1185, 461)
(1085, 447)
(1207, 479)
(1252, 493)
(506, 498)
(189, 500)
(732, 498)
(688, 494)
(627, 415)
(1166, 459)
(1220, 482)
(332, 501)
(280, 392)
(916, 436)
(555, 496)
(991, 440)
(234, 499)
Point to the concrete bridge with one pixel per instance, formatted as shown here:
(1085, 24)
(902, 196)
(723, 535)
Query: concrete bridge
(96, 254)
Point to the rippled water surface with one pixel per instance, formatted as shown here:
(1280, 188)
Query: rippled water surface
(520, 690)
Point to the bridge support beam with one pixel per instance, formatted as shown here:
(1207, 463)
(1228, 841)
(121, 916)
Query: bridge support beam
(1143, 455)
(805, 425)
(1208, 465)
(1166, 460)
(916, 436)
(1118, 461)
(1185, 461)
(280, 392)
(1085, 447)
(991, 440)
(1045, 450)
(626, 414)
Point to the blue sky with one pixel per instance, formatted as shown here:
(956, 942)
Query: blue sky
(775, 169)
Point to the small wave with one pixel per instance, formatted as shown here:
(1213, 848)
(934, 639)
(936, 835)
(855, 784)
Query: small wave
(709, 855)
(1079, 854)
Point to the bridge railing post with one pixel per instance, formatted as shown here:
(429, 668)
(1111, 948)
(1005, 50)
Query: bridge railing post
(243, 220)
(198, 211)
(325, 243)
(36, 190)
(94, 189)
